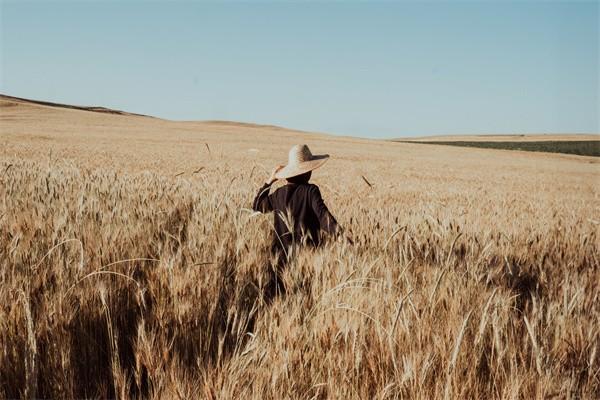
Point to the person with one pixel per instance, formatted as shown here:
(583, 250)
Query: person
(300, 215)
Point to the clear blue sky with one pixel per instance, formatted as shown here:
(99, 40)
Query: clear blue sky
(365, 69)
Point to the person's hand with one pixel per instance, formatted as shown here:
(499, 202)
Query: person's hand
(272, 178)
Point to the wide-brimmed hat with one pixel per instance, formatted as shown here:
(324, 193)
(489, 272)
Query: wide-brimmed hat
(300, 161)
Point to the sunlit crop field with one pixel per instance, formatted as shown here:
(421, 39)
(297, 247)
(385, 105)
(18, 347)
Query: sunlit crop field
(132, 266)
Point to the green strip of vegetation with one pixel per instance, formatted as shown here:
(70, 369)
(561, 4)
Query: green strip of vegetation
(578, 147)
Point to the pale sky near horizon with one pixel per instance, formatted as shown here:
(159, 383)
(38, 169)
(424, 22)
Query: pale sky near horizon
(384, 69)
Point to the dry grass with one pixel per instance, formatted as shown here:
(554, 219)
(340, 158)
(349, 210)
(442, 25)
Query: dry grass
(474, 273)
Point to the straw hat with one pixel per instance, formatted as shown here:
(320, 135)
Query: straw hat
(300, 161)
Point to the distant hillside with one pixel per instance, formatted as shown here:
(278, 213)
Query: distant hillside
(10, 101)
(49, 122)
(6, 102)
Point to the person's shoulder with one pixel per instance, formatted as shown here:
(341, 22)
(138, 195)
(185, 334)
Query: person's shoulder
(282, 190)
(313, 189)
(278, 190)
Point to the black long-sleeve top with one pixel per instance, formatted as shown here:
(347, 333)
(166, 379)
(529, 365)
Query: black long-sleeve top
(299, 214)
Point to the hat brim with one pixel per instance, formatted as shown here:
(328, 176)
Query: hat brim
(301, 168)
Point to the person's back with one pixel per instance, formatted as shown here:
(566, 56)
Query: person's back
(299, 215)
(299, 210)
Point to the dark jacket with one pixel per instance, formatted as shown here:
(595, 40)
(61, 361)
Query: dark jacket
(305, 207)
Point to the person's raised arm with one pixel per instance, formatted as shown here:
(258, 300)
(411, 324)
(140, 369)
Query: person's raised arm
(262, 201)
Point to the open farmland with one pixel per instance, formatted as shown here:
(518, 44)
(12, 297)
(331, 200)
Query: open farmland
(131, 266)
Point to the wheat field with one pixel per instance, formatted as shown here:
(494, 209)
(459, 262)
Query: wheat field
(131, 266)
